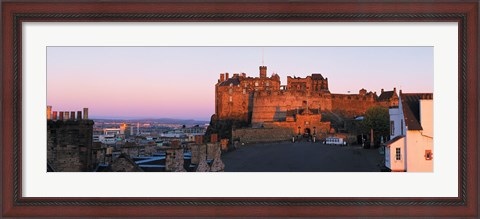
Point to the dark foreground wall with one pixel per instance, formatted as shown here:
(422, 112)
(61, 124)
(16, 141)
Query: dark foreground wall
(252, 135)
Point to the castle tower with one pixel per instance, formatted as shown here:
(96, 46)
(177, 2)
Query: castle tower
(263, 71)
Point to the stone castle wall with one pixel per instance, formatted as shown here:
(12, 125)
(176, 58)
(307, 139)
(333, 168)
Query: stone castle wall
(273, 105)
(352, 104)
(263, 101)
(233, 103)
(254, 135)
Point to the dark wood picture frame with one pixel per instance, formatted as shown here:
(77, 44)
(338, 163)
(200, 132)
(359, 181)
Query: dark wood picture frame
(16, 12)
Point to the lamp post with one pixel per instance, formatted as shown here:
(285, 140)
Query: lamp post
(314, 133)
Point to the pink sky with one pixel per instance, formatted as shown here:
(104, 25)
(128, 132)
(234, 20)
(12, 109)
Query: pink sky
(178, 82)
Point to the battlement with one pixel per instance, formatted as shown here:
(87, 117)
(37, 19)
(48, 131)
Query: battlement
(262, 99)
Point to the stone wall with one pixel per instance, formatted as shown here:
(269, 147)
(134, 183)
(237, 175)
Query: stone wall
(353, 104)
(252, 135)
(273, 105)
(69, 145)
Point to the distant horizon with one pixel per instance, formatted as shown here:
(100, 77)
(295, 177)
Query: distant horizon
(145, 118)
(179, 82)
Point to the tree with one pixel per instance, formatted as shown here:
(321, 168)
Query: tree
(378, 119)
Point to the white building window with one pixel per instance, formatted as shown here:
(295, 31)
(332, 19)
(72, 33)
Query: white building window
(256, 83)
(267, 84)
(244, 91)
(230, 99)
(398, 154)
(401, 126)
(392, 128)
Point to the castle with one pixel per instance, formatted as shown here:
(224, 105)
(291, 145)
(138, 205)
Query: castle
(263, 102)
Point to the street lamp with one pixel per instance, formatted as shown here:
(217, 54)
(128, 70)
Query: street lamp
(314, 133)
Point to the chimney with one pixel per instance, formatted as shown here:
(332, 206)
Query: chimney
(235, 75)
(49, 112)
(61, 116)
(222, 77)
(198, 139)
(382, 91)
(85, 113)
(244, 75)
(79, 115)
(66, 115)
(226, 76)
(263, 71)
(394, 90)
(213, 138)
(175, 143)
(72, 115)
(54, 115)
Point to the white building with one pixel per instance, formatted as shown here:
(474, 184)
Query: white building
(112, 131)
(107, 139)
(411, 132)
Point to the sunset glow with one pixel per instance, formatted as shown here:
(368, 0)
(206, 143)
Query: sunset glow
(179, 82)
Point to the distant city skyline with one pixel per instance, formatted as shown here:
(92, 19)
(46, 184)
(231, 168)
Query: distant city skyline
(179, 82)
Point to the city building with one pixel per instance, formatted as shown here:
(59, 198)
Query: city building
(411, 132)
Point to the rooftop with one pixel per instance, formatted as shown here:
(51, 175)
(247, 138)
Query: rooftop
(411, 108)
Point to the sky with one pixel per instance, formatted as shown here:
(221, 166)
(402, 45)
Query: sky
(179, 82)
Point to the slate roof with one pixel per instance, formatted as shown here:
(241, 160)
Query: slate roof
(235, 81)
(386, 95)
(393, 140)
(411, 108)
(317, 77)
(103, 168)
(129, 160)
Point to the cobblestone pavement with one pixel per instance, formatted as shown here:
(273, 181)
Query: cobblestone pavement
(301, 157)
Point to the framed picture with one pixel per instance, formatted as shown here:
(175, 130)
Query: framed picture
(124, 65)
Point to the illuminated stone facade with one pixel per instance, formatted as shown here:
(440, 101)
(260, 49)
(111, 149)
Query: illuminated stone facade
(262, 101)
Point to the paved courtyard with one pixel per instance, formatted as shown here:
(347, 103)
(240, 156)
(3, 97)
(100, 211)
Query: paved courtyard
(301, 157)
